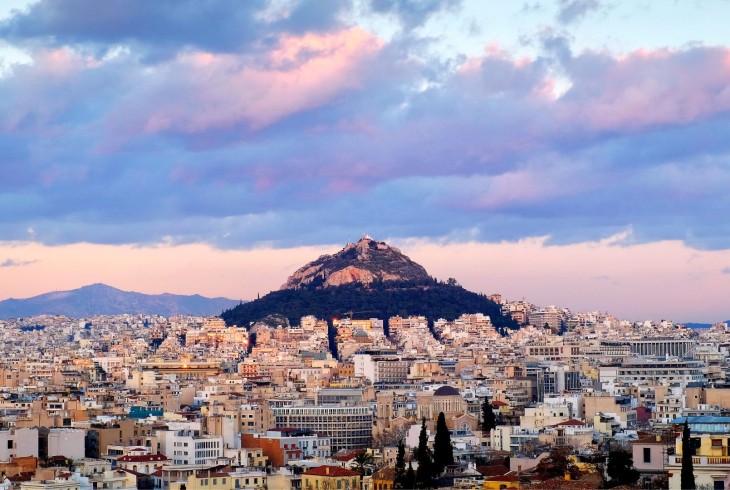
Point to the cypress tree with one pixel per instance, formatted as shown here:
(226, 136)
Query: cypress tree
(400, 467)
(489, 420)
(443, 453)
(688, 475)
(423, 456)
(410, 481)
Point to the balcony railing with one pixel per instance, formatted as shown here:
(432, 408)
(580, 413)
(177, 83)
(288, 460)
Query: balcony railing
(705, 460)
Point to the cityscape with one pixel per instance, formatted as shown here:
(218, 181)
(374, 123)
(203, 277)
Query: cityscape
(364, 244)
(148, 401)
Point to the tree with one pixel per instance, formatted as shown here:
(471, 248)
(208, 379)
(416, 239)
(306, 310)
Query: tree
(620, 468)
(410, 481)
(489, 420)
(443, 453)
(400, 466)
(688, 475)
(558, 463)
(423, 456)
(362, 462)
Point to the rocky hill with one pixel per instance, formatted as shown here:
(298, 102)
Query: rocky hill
(100, 299)
(366, 279)
(364, 262)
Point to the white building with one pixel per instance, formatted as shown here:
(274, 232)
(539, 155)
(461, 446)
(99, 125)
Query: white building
(18, 442)
(188, 447)
(69, 443)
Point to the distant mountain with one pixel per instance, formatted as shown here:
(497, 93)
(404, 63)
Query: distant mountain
(364, 262)
(367, 279)
(698, 325)
(100, 299)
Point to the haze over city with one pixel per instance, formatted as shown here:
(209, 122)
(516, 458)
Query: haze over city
(572, 152)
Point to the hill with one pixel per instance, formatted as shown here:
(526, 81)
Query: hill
(377, 300)
(364, 262)
(100, 299)
(366, 279)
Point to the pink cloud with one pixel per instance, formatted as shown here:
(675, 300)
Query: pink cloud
(201, 91)
(606, 92)
(647, 88)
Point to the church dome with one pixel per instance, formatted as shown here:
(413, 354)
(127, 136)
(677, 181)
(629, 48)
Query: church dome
(446, 391)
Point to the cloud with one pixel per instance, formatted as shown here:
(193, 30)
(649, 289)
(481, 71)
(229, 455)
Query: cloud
(310, 130)
(300, 73)
(413, 13)
(726, 270)
(16, 263)
(163, 28)
(573, 10)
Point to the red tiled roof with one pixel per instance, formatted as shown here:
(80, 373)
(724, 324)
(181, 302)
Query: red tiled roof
(347, 456)
(498, 403)
(492, 470)
(511, 476)
(333, 471)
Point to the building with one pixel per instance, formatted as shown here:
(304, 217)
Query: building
(223, 480)
(710, 453)
(330, 478)
(651, 453)
(673, 372)
(347, 426)
(281, 446)
(18, 442)
(188, 447)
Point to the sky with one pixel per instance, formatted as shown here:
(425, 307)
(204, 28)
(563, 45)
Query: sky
(569, 152)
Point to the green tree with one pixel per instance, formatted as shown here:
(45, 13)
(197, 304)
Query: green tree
(362, 462)
(443, 453)
(410, 481)
(400, 467)
(489, 420)
(620, 467)
(423, 456)
(688, 475)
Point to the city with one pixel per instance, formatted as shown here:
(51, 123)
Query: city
(364, 244)
(138, 401)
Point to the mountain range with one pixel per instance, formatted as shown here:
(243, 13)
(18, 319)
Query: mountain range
(100, 299)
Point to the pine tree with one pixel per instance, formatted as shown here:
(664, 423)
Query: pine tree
(400, 467)
(489, 420)
(423, 456)
(443, 453)
(688, 475)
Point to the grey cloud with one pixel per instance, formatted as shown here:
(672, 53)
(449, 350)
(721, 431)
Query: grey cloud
(16, 263)
(161, 28)
(413, 13)
(572, 10)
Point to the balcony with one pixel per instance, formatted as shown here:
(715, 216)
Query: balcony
(705, 460)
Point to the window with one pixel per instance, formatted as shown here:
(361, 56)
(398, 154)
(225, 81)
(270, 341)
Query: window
(647, 455)
(716, 442)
